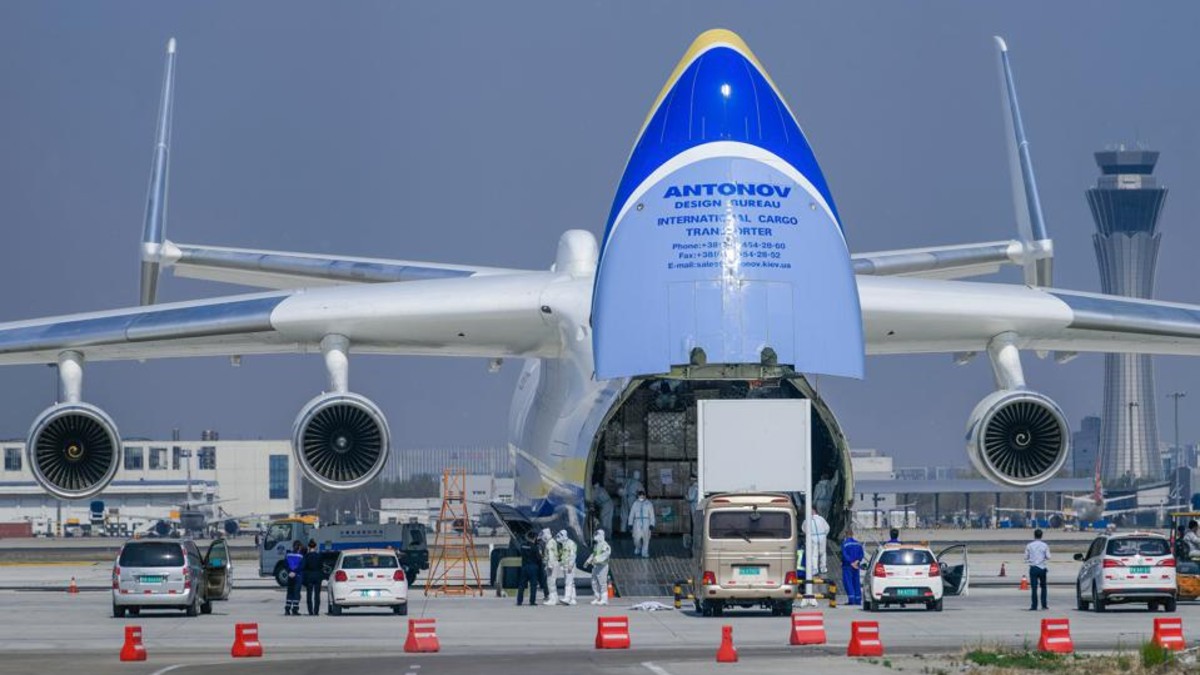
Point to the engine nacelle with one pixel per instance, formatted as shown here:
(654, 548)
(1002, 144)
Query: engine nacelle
(340, 441)
(74, 450)
(1018, 438)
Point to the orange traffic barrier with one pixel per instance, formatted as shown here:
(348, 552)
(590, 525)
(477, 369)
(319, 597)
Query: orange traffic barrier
(133, 650)
(808, 628)
(73, 587)
(1168, 633)
(612, 632)
(864, 639)
(727, 653)
(1024, 583)
(1056, 637)
(422, 636)
(245, 640)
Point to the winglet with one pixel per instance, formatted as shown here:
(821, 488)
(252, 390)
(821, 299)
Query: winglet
(1039, 249)
(153, 232)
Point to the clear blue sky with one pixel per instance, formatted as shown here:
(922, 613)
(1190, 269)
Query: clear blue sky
(477, 132)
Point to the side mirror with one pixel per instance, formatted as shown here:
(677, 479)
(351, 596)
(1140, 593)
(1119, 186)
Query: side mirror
(1079, 556)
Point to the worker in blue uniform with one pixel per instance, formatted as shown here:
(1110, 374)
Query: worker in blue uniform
(852, 558)
(295, 565)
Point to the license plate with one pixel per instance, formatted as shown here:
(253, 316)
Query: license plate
(906, 592)
(1139, 570)
(152, 579)
(368, 594)
(749, 571)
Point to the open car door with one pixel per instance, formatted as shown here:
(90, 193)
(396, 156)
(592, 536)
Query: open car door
(956, 577)
(218, 571)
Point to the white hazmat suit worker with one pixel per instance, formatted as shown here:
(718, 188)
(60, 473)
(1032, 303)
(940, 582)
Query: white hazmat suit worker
(566, 565)
(629, 492)
(641, 520)
(598, 560)
(818, 529)
(550, 561)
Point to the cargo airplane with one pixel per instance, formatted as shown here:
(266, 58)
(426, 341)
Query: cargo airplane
(722, 272)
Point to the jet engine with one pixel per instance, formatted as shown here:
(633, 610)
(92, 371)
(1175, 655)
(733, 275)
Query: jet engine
(74, 450)
(340, 441)
(1018, 438)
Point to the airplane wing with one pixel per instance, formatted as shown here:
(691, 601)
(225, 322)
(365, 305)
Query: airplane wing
(287, 270)
(464, 316)
(910, 316)
(943, 262)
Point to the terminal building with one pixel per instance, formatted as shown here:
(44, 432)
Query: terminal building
(238, 478)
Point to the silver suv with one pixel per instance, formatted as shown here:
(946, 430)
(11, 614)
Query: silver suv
(170, 574)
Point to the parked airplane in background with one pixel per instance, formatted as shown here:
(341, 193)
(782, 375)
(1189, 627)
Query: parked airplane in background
(723, 272)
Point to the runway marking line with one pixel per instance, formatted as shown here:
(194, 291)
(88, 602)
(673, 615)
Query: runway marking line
(657, 670)
(168, 669)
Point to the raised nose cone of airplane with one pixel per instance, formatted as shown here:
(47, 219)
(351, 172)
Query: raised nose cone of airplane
(723, 238)
(718, 92)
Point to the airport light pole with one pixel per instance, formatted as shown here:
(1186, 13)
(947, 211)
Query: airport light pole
(1132, 405)
(1177, 395)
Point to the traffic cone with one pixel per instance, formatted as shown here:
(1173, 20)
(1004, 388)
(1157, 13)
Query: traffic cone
(611, 593)
(73, 587)
(727, 653)
(1003, 573)
(1024, 582)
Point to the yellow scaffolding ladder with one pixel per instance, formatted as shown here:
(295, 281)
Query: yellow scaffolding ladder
(455, 570)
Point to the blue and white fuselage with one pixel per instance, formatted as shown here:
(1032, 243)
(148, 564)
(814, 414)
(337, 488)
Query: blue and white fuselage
(723, 246)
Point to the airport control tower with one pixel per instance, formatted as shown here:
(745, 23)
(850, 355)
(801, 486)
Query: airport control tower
(1126, 204)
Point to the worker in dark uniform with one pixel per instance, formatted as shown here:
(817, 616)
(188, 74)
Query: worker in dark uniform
(313, 574)
(852, 560)
(531, 570)
(295, 565)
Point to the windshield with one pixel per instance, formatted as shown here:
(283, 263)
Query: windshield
(906, 556)
(276, 533)
(750, 525)
(1147, 546)
(151, 554)
(370, 561)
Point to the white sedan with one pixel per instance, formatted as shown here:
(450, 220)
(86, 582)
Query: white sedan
(368, 578)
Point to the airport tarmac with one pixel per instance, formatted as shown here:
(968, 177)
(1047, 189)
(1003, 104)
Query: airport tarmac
(50, 631)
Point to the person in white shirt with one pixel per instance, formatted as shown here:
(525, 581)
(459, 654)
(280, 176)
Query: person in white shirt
(1192, 539)
(1037, 554)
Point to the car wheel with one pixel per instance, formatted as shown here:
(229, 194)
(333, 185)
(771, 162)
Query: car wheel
(785, 608)
(706, 608)
(866, 604)
(1169, 604)
(937, 606)
(281, 575)
(134, 611)
(718, 608)
(401, 610)
(118, 612)
(1098, 601)
(193, 609)
(206, 607)
(1080, 603)
(334, 608)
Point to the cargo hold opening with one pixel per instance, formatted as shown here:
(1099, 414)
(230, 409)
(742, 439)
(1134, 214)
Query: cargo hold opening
(653, 430)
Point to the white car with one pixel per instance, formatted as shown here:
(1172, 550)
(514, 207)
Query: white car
(368, 578)
(902, 574)
(1127, 567)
